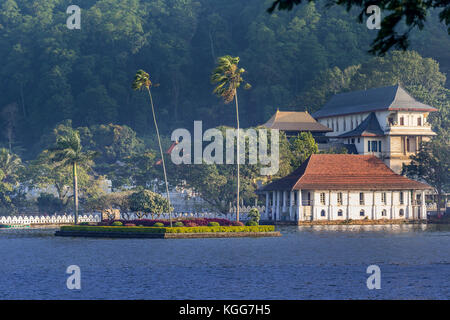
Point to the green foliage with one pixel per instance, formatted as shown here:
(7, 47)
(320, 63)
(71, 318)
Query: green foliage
(158, 224)
(303, 146)
(213, 224)
(413, 13)
(251, 223)
(10, 167)
(148, 202)
(432, 164)
(254, 215)
(117, 223)
(178, 224)
(48, 203)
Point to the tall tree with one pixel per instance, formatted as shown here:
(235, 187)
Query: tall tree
(228, 77)
(432, 164)
(67, 151)
(142, 80)
(10, 165)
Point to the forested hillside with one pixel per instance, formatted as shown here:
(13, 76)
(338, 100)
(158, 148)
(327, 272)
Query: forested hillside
(294, 59)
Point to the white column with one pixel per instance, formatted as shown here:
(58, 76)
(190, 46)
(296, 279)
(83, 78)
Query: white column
(278, 205)
(423, 206)
(291, 204)
(299, 206)
(267, 205)
(284, 201)
(274, 204)
(348, 204)
(374, 208)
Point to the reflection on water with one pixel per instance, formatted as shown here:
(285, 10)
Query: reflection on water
(307, 262)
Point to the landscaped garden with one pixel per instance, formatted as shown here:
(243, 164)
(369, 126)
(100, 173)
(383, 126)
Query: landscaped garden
(185, 228)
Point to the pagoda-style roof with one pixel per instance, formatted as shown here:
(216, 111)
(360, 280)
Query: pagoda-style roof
(376, 99)
(343, 172)
(295, 121)
(370, 127)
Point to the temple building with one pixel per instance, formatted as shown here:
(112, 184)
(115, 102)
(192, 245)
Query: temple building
(294, 122)
(386, 122)
(342, 187)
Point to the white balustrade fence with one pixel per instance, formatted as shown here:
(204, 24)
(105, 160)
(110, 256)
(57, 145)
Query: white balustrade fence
(46, 219)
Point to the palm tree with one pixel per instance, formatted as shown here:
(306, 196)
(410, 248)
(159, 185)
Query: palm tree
(229, 77)
(68, 151)
(142, 80)
(10, 163)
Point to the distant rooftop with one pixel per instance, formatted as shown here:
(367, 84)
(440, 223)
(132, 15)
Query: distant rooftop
(377, 99)
(295, 121)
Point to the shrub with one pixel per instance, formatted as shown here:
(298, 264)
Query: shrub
(158, 224)
(129, 225)
(237, 223)
(254, 215)
(117, 223)
(178, 224)
(213, 224)
(251, 223)
(191, 224)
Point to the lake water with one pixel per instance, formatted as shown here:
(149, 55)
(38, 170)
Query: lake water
(320, 262)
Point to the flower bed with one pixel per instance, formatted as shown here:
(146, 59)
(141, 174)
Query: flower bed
(189, 222)
(162, 230)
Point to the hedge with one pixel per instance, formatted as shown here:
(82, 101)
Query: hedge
(202, 229)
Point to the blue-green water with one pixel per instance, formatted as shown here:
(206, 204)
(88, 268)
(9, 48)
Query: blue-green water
(321, 262)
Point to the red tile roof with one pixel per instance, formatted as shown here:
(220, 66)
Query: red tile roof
(344, 172)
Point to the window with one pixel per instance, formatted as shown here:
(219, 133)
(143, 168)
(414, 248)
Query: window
(383, 213)
(419, 121)
(322, 213)
(383, 197)
(379, 146)
(322, 198)
(353, 140)
(361, 198)
(328, 123)
(374, 146)
(407, 145)
(337, 124)
(351, 122)
(339, 198)
(401, 198)
(402, 121)
(401, 213)
(368, 146)
(332, 124)
(361, 213)
(359, 140)
(345, 124)
(391, 121)
(340, 213)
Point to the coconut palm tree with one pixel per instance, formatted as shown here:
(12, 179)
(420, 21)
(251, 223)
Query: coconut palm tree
(228, 77)
(68, 151)
(142, 80)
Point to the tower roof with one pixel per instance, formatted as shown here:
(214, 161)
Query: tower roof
(376, 99)
(370, 127)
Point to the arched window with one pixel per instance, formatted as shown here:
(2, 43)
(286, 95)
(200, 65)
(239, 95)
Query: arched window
(383, 213)
(402, 200)
(401, 213)
(322, 213)
(340, 213)
(361, 213)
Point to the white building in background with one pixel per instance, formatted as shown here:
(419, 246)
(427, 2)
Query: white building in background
(386, 122)
(341, 187)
